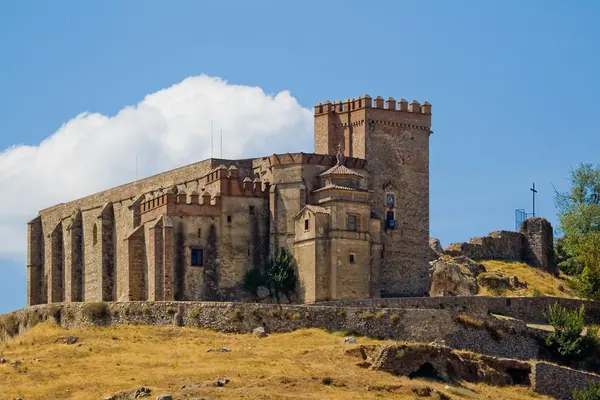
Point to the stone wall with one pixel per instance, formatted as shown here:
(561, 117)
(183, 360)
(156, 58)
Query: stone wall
(559, 382)
(421, 325)
(533, 244)
(530, 309)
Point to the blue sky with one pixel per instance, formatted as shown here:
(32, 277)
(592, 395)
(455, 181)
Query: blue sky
(513, 85)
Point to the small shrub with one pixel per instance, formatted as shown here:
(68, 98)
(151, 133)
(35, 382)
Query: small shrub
(238, 316)
(468, 320)
(171, 310)
(394, 318)
(400, 354)
(9, 323)
(592, 392)
(96, 311)
(367, 315)
(342, 312)
(536, 292)
(146, 312)
(295, 316)
(568, 339)
(380, 315)
(194, 314)
(274, 314)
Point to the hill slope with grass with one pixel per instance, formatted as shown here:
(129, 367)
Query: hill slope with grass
(93, 363)
(539, 283)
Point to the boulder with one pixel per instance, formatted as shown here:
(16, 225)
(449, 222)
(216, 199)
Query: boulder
(349, 339)
(454, 277)
(441, 363)
(494, 281)
(260, 332)
(221, 382)
(164, 397)
(436, 246)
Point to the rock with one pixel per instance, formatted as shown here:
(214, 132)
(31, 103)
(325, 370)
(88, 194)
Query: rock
(561, 288)
(225, 350)
(221, 382)
(260, 332)
(164, 397)
(423, 391)
(70, 340)
(516, 284)
(142, 392)
(452, 277)
(474, 267)
(494, 281)
(417, 360)
(350, 339)
(3, 360)
(262, 292)
(435, 246)
(16, 364)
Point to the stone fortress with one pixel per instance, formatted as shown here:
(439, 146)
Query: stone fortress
(354, 215)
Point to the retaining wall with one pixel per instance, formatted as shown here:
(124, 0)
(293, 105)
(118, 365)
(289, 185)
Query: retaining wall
(559, 382)
(529, 309)
(499, 338)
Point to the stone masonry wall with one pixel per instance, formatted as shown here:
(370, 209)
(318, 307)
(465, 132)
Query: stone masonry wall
(559, 382)
(530, 309)
(534, 244)
(421, 325)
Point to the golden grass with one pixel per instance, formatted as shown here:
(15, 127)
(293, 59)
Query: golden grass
(293, 365)
(539, 283)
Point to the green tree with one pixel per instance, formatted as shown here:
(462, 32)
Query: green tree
(280, 276)
(592, 392)
(570, 338)
(578, 250)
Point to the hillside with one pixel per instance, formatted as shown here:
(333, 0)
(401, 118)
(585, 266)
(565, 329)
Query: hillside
(538, 282)
(306, 364)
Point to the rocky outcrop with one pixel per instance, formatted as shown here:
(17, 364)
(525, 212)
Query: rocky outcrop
(444, 364)
(454, 277)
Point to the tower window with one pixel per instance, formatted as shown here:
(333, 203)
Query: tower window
(197, 258)
(199, 232)
(306, 224)
(251, 210)
(352, 259)
(352, 223)
(229, 219)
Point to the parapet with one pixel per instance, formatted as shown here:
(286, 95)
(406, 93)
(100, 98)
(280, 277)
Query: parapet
(228, 184)
(366, 101)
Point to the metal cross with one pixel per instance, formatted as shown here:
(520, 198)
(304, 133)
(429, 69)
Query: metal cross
(533, 193)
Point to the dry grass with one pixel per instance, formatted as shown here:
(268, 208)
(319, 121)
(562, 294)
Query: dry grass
(297, 365)
(539, 283)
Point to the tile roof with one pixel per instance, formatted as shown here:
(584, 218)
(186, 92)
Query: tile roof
(339, 169)
(330, 186)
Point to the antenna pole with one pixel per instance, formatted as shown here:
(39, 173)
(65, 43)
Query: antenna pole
(211, 138)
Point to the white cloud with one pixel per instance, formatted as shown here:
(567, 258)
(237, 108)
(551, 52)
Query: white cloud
(169, 128)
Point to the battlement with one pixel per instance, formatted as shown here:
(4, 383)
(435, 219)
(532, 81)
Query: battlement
(315, 159)
(170, 198)
(367, 101)
(227, 183)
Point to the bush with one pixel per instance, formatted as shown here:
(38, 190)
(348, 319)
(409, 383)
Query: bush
(568, 338)
(592, 392)
(467, 320)
(96, 311)
(253, 279)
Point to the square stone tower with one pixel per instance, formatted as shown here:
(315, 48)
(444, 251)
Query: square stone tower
(394, 139)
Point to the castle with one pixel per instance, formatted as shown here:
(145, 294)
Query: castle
(354, 215)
